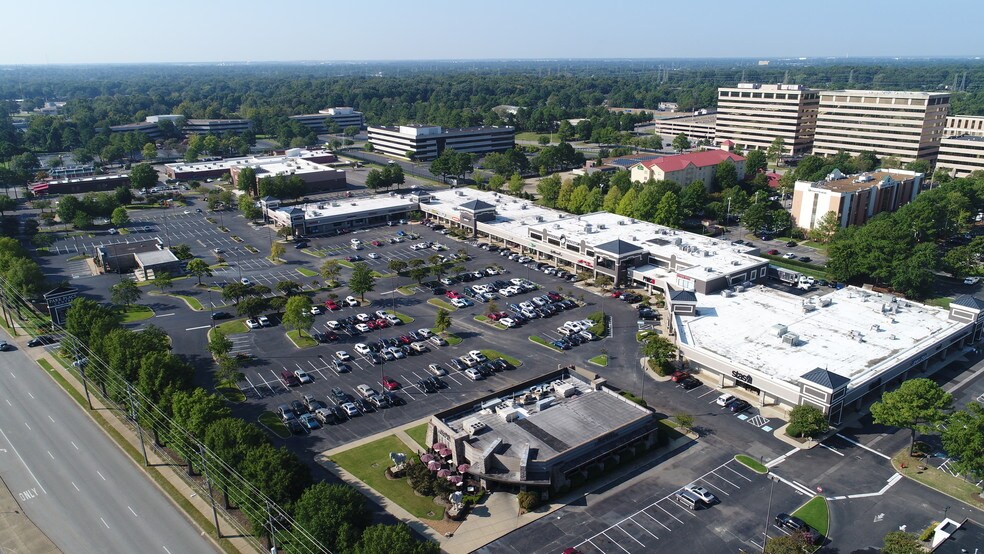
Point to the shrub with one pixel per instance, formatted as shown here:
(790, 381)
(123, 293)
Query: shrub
(806, 421)
(528, 500)
(599, 328)
(927, 533)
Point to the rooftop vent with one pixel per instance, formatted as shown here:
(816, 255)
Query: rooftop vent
(792, 339)
(778, 330)
(564, 390)
(727, 293)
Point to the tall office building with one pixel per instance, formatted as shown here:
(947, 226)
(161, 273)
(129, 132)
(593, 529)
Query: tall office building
(753, 115)
(962, 147)
(907, 125)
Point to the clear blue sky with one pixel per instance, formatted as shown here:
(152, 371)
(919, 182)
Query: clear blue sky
(134, 31)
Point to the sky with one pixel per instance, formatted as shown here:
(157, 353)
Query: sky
(132, 31)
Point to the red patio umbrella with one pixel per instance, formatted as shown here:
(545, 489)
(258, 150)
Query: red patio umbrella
(446, 452)
(463, 468)
(439, 446)
(444, 473)
(434, 466)
(456, 479)
(426, 458)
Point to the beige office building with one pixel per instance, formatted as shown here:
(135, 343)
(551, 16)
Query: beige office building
(957, 125)
(854, 198)
(907, 125)
(753, 115)
(960, 156)
(697, 126)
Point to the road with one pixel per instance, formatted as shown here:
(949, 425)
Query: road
(72, 480)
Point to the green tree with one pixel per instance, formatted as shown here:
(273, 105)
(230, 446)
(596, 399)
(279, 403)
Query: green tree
(143, 176)
(276, 472)
(917, 405)
(516, 183)
(776, 150)
(334, 515)
(825, 228)
(219, 344)
(182, 251)
(963, 440)
(755, 162)
(693, 199)
(227, 371)
(125, 293)
(246, 181)
(376, 180)
(627, 205)
(277, 250)
(496, 182)
(580, 200)
(6, 204)
(330, 270)
(442, 321)
(418, 273)
(549, 189)
(297, 314)
(387, 539)
(24, 276)
(362, 280)
(681, 142)
(394, 175)
(192, 413)
(199, 268)
(660, 351)
(668, 211)
(564, 195)
(163, 281)
(725, 175)
(794, 543)
(900, 542)
(252, 306)
(612, 198)
(806, 421)
(397, 266)
(82, 220)
(248, 207)
(288, 287)
(160, 374)
(149, 152)
(120, 218)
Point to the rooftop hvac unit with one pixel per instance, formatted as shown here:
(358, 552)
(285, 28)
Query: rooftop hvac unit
(588, 228)
(472, 425)
(739, 288)
(778, 329)
(678, 241)
(621, 222)
(538, 218)
(565, 390)
(544, 403)
(335, 204)
(824, 301)
(602, 226)
(727, 293)
(509, 414)
(459, 193)
(524, 206)
(735, 262)
(792, 339)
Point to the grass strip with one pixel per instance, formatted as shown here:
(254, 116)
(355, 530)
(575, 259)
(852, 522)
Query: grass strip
(231, 393)
(495, 355)
(272, 423)
(191, 301)
(403, 317)
(601, 359)
(407, 290)
(301, 341)
(419, 434)
(369, 462)
(233, 327)
(918, 470)
(751, 463)
(137, 313)
(307, 272)
(441, 304)
(543, 342)
(815, 514)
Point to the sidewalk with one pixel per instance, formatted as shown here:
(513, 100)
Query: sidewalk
(158, 465)
(17, 532)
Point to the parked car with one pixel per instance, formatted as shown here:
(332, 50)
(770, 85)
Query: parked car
(690, 383)
(264, 321)
(289, 378)
(303, 376)
(435, 369)
(253, 324)
(389, 383)
(739, 405)
(679, 376)
(351, 301)
(704, 494)
(790, 522)
(342, 356)
(725, 399)
(221, 315)
(41, 340)
(474, 374)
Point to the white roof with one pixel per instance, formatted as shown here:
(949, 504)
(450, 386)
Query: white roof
(852, 336)
(155, 257)
(295, 155)
(342, 206)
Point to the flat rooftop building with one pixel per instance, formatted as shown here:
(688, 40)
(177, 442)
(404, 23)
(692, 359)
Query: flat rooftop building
(753, 115)
(216, 126)
(696, 126)
(853, 198)
(332, 216)
(426, 142)
(184, 171)
(148, 128)
(541, 433)
(342, 116)
(961, 155)
(827, 350)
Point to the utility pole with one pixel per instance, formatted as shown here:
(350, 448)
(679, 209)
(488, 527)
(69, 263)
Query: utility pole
(768, 512)
(211, 496)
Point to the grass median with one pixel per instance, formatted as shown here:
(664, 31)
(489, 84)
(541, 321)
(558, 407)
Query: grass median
(191, 301)
(441, 304)
(233, 327)
(495, 355)
(752, 464)
(404, 318)
(487, 321)
(601, 359)
(300, 340)
(543, 342)
(369, 462)
(918, 470)
(815, 514)
(136, 313)
(307, 272)
(273, 424)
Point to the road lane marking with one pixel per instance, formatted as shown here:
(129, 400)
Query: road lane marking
(832, 449)
(52, 456)
(165, 549)
(28, 426)
(104, 522)
(100, 474)
(132, 512)
(76, 486)
(164, 315)
(31, 395)
(75, 445)
(868, 448)
(197, 328)
(14, 448)
(52, 419)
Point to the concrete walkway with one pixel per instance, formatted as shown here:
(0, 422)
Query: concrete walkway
(17, 532)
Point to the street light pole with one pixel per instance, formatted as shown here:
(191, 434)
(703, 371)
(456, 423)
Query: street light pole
(768, 512)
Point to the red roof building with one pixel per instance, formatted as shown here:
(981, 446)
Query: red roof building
(687, 168)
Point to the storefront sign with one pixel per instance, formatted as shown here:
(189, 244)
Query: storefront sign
(742, 376)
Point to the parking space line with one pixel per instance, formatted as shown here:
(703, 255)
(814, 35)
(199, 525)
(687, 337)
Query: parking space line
(668, 513)
(868, 448)
(596, 546)
(712, 485)
(615, 543)
(628, 535)
(736, 473)
(656, 520)
(643, 528)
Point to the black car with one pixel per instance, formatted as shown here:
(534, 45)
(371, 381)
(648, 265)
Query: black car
(394, 400)
(298, 407)
(437, 382)
(486, 369)
(790, 522)
(364, 405)
(690, 383)
(320, 337)
(296, 427)
(221, 315)
(41, 340)
(376, 359)
(426, 386)
(301, 245)
(647, 313)
(805, 258)
(455, 363)
(339, 413)
(501, 364)
(739, 405)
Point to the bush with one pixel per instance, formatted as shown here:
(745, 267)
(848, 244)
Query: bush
(528, 500)
(600, 324)
(806, 421)
(927, 533)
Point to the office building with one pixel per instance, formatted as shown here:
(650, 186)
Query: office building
(906, 125)
(698, 126)
(316, 177)
(684, 169)
(544, 433)
(216, 126)
(961, 155)
(184, 171)
(854, 198)
(152, 131)
(959, 125)
(342, 116)
(753, 115)
(339, 215)
(426, 142)
(78, 185)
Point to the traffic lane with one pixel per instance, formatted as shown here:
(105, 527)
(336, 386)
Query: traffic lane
(91, 495)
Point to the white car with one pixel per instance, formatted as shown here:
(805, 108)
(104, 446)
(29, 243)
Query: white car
(419, 347)
(362, 348)
(789, 255)
(424, 333)
(245, 281)
(362, 317)
(111, 231)
(701, 492)
(350, 409)
(972, 280)
(393, 319)
(342, 356)
(351, 301)
(381, 313)
(478, 356)
(438, 341)
(437, 370)
(253, 324)
(573, 326)
(365, 391)
(373, 255)
(725, 399)
(187, 212)
(303, 377)
(333, 325)
(459, 302)
(417, 246)
(317, 310)
(398, 353)
(264, 321)
(362, 327)
(508, 322)
(474, 374)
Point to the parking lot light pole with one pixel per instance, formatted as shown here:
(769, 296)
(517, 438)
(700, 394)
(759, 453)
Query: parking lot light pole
(768, 513)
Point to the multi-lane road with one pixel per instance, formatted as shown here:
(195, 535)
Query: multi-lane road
(74, 482)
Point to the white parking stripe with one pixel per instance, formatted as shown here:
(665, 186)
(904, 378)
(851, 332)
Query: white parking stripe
(656, 520)
(630, 536)
(643, 528)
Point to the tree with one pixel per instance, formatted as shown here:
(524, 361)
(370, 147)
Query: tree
(246, 181)
(693, 199)
(163, 281)
(549, 189)
(686, 421)
(277, 250)
(248, 207)
(288, 287)
(149, 152)
(806, 421)
(125, 293)
(794, 543)
(24, 276)
(143, 176)
(375, 180)
(330, 270)
(776, 150)
(725, 175)
(755, 162)
(160, 374)
(182, 251)
(276, 472)
(252, 306)
(418, 273)
(397, 266)
(659, 350)
(442, 321)
(199, 268)
(6, 204)
(900, 542)
(603, 281)
(219, 344)
(386, 539)
(120, 218)
(297, 314)
(963, 440)
(394, 175)
(681, 142)
(917, 405)
(668, 211)
(564, 194)
(825, 228)
(334, 515)
(192, 412)
(627, 205)
(362, 280)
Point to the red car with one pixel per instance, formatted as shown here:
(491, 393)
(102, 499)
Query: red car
(773, 252)
(617, 293)
(331, 336)
(452, 294)
(382, 324)
(494, 316)
(390, 384)
(404, 339)
(679, 376)
(372, 324)
(376, 243)
(331, 305)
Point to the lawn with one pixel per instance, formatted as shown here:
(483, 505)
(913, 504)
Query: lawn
(535, 137)
(419, 434)
(314, 252)
(307, 272)
(811, 270)
(233, 327)
(495, 355)
(230, 392)
(942, 302)
(379, 275)
(453, 339)
(815, 514)
(273, 424)
(601, 359)
(404, 318)
(543, 342)
(937, 479)
(441, 304)
(346, 263)
(487, 321)
(191, 301)
(407, 290)
(137, 313)
(300, 340)
(369, 462)
(751, 463)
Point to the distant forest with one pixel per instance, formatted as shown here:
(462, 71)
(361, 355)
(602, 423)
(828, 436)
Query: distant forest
(451, 94)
